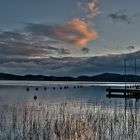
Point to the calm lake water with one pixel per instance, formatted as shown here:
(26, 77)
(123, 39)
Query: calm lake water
(20, 91)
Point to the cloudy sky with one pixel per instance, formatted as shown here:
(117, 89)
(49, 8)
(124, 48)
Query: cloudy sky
(69, 37)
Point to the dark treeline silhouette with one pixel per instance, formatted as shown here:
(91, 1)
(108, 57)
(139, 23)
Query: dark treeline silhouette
(106, 77)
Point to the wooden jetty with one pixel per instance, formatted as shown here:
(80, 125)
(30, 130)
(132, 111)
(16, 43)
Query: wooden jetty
(123, 93)
(130, 92)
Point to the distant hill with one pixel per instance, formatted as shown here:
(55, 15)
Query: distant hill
(105, 77)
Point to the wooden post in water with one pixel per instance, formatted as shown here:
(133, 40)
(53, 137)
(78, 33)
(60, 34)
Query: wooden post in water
(125, 74)
(135, 72)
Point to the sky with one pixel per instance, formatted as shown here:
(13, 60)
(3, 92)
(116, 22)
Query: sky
(69, 37)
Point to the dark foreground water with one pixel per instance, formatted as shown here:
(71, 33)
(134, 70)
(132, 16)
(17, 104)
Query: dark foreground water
(20, 91)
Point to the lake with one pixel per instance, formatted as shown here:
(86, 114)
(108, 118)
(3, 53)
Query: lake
(63, 110)
(55, 91)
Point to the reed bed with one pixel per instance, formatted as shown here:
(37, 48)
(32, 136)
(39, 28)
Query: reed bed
(68, 121)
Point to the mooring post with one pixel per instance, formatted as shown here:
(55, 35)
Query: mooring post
(125, 72)
(135, 72)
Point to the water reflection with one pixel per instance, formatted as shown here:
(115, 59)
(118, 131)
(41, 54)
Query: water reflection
(59, 92)
(54, 92)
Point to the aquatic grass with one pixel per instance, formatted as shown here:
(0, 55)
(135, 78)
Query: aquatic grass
(69, 121)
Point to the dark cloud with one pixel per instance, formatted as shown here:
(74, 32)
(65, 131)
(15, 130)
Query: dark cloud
(85, 50)
(11, 35)
(60, 51)
(54, 41)
(131, 47)
(20, 49)
(74, 66)
(16, 44)
(120, 16)
(64, 51)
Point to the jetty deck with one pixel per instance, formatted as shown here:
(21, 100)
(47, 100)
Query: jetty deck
(123, 93)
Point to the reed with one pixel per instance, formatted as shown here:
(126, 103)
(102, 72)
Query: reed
(69, 121)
